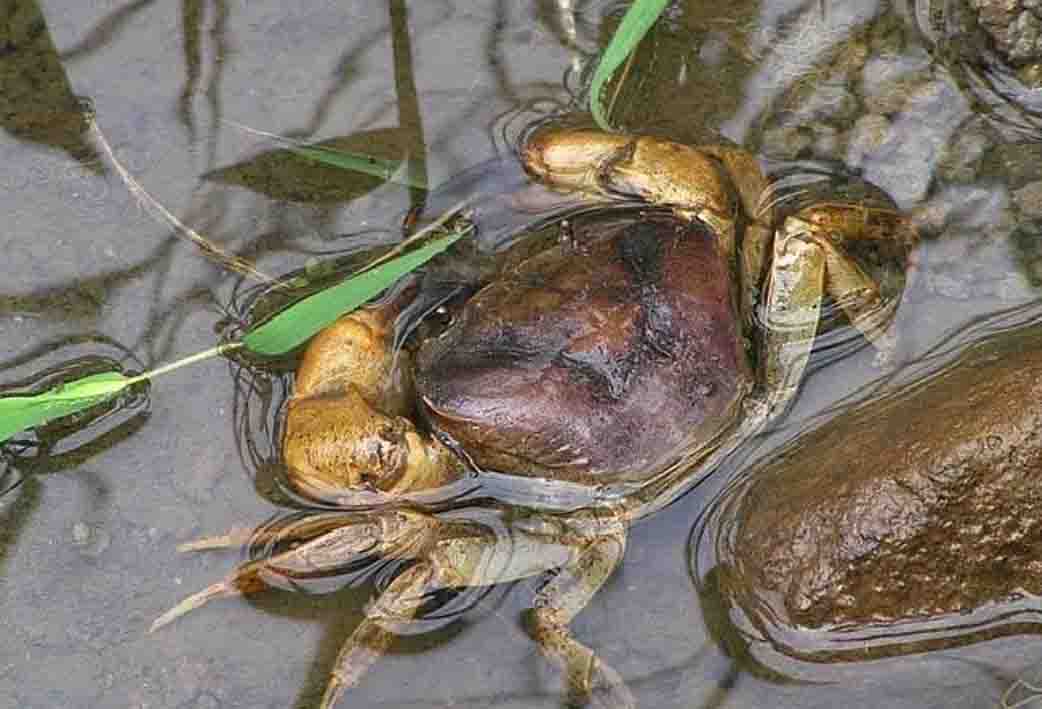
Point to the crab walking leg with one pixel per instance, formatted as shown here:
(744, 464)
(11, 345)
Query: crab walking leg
(756, 247)
(393, 534)
(301, 530)
(234, 537)
(859, 297)
(462, 553)
(400, 602)
(795, 287)
(559, 601)
(833, 225)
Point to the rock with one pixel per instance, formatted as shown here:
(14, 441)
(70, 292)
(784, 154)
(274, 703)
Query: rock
(961, 158)
(1029, 199)
(870, 137)
(91, 541)
(911, 523)
(785, 142)
(1015, 27)
(888, 82)
(1017, 163)
(828, 102)
(1026, 241)
(905, 172)
(80, 533)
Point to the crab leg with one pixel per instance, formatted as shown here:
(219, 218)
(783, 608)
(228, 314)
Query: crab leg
(299, 530)
(399, 603)
(393, 534)
(795, 287)
(558, 602)
(473, 555)
(859, 297)
(832, 225)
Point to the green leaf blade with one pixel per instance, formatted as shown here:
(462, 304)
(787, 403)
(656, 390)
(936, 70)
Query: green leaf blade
(298, 323)
(635, 24)
(20, 413)
(398, 172)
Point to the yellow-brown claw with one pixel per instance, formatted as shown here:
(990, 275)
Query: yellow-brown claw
(571, 158)
(346, 434)
(355, 352)
(651, 169)
(336, 446)
(343, 442)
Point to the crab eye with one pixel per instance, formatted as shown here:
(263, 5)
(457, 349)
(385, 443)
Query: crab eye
(441, 318)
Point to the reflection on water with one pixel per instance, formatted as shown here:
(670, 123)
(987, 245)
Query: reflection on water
(36, 101)
(909, 96)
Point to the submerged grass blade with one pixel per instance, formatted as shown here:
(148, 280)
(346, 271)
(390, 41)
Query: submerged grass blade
(397, 171)
(18, 413)
(635, 24)
(295, 325)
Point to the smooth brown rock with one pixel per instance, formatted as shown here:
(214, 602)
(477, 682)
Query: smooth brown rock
(910, 523)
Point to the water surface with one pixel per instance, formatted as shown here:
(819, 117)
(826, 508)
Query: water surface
(87, 544)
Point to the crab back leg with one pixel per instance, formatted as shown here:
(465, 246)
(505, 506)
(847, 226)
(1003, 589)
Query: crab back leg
(811, 259)
(346, 425)
(559, 601)
(400, 602)
(341, 539)
(791, 313)
(472, 555)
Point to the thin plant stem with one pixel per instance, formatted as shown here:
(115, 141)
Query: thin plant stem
(198, 357)
(157, 210)
(413, 238)
(622, 80)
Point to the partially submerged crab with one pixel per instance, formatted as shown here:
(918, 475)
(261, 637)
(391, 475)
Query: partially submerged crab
(623, 362)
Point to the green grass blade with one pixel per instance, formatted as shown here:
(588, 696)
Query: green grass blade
(396, 171)
(19, 413)
(295, 325)
(635, 24)
(400, 172)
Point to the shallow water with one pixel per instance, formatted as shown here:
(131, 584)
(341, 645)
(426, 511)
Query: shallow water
(87, 544)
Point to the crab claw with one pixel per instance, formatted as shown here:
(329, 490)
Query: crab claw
(571, 158)
(645, 168)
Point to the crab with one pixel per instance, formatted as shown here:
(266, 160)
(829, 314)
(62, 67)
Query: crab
(584, 388)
